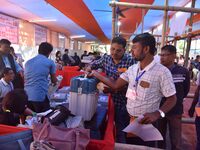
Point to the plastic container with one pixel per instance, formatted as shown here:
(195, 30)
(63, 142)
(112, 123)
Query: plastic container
(83, 104)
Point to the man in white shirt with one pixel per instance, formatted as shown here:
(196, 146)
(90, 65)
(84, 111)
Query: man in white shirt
(6, 82)
(147, 81)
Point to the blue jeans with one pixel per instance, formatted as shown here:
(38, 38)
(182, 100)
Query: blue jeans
(121, 121)
(197, 124)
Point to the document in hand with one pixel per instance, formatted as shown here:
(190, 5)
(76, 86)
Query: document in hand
(146, 132)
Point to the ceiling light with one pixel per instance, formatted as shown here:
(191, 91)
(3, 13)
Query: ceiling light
(77, 36)
(43, 20)
(61, 36)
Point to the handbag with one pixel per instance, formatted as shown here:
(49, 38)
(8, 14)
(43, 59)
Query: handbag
(61, 138)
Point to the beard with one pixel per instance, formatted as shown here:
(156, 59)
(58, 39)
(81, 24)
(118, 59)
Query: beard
(141, 57)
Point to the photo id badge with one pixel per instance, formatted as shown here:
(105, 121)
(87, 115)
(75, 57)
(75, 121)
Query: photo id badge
(131, 94)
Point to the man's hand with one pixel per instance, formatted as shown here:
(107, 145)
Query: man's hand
(150, 117)
(21, 73)
(88, 69)
(191, 111)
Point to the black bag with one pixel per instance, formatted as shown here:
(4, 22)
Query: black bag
(58, 115)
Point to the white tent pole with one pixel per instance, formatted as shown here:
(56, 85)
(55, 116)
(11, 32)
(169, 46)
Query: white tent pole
(164, 25)
(143, 12)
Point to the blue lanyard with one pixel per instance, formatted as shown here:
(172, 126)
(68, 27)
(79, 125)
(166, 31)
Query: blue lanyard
(138, 77)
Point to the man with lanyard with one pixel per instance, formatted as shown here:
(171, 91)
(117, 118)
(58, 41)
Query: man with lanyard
(113, 65)
(147, 81)
(7, 60)
(181, 80)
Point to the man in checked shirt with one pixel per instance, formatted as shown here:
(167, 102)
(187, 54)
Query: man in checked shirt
(113, 65)
(148, 81)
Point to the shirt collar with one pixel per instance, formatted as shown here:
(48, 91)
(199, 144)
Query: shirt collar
(4, 82)
(148, 67)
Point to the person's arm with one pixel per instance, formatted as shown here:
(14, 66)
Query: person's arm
(53, 73)
(115, 85)
(18, 67)
(28, 111)
(53, 79)
(167, 106)
(96, 64)
(194, 102)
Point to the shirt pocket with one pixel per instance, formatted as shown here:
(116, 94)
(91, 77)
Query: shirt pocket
(144, 90)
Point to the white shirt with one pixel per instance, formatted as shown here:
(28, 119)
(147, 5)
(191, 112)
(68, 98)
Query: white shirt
(5, 88)
(155, 83)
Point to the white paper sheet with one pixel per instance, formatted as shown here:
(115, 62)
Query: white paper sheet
(146, 132)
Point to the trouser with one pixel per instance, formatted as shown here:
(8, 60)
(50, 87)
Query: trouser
(174, 124)
(121, 121)
(197, 124)
(39, 106)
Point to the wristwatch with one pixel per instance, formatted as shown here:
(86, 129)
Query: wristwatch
(162, 114)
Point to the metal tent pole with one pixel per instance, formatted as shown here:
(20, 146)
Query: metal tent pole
(147, 6)
(164, 25)
(189, 39)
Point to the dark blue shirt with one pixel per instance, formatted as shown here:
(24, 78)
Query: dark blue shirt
(181, 80)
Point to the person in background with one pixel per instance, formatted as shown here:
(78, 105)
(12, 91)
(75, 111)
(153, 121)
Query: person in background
(67, 60)
(76, 59)
(58, 58)
(18, 57)
(181, 60)
(6, 82)
(195, 66)
(113, 65)
(84, 54)
(196, 103)
(14, 105)
(181, 80)
(147, 81)
(7, 60)
(58, 61)
(36, 75)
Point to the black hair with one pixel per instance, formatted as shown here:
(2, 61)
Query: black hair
(45, 48)
(146, 39)
(58, 52)
(5, 41)
(6, 71)
(170, 48)
(15, 101)
(66, 50)
(119, 40)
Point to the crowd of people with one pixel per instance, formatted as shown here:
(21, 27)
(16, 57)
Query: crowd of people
(139, 85)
